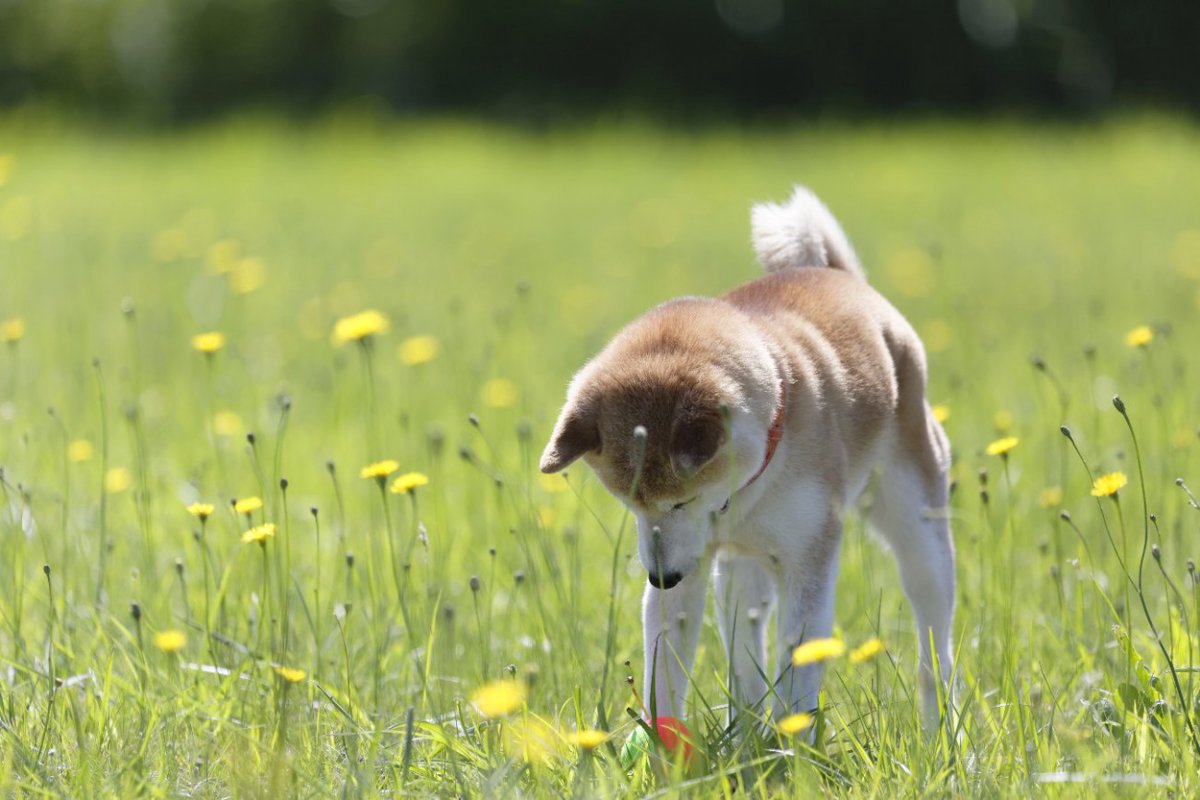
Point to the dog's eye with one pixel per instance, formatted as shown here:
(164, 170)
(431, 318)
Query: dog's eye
(678, 506)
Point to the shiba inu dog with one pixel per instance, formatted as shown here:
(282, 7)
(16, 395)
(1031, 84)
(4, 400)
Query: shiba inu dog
(739, 430)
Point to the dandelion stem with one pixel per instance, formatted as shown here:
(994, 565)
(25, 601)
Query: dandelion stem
(1183, 699)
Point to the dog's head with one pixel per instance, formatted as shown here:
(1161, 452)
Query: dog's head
(672, 416)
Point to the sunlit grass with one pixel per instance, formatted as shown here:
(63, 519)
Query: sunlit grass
(281, 530)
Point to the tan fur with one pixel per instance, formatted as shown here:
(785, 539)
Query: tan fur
(846, 356)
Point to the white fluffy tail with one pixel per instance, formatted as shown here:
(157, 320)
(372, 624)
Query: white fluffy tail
(801, 233)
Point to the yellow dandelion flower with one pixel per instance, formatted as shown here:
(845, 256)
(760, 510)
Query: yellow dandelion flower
(117, 480)
(79, 451)
(223, 256)
(588, 739)
(418, 350)
(817, 650)
(553, 483)
(208, 343)
(227, 423)
(1140, 336)
(794, 723)
(1002, 421)
(291, 674)
(866, 651)
(247, 275)
(360, 326)
(1002, 447)
(259, 533)
(12, 330)
(499, 393)
(248, 505)
(1108, 485)
(201, 510)
(380, 469)
(532, 739)
(1051, 497)
(408, 482)
(171, 641)
(941, 412)
(499, 698)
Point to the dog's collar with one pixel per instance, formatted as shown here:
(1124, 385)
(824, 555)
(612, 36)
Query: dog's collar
(774, 433)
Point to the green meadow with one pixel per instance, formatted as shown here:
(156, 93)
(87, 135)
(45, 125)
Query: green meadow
(146, 649)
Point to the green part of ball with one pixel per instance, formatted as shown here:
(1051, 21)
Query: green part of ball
(636, 746)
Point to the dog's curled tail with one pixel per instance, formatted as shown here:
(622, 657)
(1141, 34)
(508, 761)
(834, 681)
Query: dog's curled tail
(801, 233)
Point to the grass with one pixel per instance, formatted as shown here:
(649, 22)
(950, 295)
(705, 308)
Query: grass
(1024, 254)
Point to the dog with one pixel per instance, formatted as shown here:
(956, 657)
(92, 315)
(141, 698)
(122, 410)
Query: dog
(739, 431)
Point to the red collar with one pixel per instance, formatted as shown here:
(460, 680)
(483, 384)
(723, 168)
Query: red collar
(774, 433)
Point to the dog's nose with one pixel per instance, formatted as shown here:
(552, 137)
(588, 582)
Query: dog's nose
(664, 580)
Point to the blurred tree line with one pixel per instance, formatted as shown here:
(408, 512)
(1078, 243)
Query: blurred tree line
(179, 59)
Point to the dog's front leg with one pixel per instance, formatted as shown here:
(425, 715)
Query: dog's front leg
(806, 606)
(671, 620)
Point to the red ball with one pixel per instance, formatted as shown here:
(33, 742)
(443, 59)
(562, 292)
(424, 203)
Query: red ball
(675, 736)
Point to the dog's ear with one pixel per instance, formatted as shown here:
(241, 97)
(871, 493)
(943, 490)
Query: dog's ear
(576, 432)
(695, 439)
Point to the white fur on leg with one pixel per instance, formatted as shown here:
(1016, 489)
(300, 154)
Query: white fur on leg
(910, 513)
(806, 608)
(744, 597)
(671, 621)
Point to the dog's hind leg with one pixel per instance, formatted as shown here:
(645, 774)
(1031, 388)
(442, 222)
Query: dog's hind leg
(911, 513)
(744, 597)
(671, 620)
